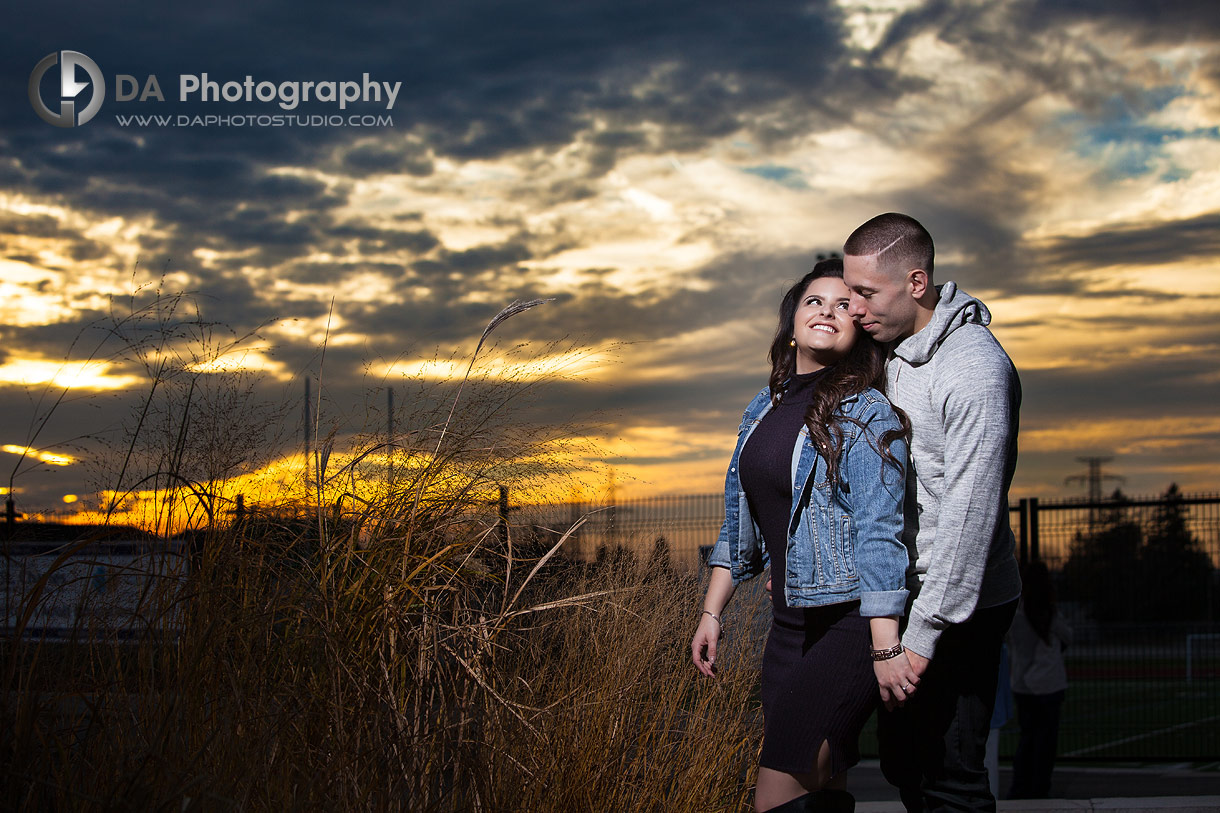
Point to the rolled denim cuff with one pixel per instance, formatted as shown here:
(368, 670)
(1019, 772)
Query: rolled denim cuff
(883, 602)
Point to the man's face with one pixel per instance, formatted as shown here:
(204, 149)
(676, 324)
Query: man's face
(881, 299)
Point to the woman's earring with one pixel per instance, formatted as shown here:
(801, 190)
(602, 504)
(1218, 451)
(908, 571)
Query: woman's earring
(792, 342)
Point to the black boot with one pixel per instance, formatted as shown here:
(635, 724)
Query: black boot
(830, 801)
(797, 805)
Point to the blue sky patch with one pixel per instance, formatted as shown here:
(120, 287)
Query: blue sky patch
(785, 176)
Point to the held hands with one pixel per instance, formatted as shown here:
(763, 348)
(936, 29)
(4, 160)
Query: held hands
(898, 677)
(703, 645)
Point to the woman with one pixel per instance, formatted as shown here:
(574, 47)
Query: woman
(1036, 643)
(819, 471)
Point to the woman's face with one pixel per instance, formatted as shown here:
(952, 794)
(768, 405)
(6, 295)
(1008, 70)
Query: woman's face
(823, 330)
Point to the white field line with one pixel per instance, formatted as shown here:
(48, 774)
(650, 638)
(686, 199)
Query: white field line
(1082, 751)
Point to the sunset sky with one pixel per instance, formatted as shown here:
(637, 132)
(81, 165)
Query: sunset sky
(662, 170)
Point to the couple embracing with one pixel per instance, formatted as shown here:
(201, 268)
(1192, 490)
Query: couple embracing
(871, 475)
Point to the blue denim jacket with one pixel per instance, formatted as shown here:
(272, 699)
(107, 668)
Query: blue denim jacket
(844, 543)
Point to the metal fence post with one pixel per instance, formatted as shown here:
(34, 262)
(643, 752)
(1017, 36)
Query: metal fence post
(1033, 529)
(1023, 549)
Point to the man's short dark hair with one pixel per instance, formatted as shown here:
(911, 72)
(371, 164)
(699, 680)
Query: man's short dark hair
(896, 239)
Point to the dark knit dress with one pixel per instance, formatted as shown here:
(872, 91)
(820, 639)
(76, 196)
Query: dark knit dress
(818, 683)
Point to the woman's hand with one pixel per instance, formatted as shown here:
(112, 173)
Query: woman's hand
(707, 636)
(703, 645)
(897, 680)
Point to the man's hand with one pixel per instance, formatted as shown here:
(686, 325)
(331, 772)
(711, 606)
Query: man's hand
(918, 662)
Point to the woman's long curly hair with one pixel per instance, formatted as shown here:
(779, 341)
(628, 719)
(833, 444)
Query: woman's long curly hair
(861, 368)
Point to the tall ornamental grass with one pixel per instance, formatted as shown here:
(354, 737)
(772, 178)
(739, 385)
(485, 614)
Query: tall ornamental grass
(378, 642)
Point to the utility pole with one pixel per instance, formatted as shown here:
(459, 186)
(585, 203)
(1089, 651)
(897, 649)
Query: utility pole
(308, 421)
(389, 434)
(612, 512)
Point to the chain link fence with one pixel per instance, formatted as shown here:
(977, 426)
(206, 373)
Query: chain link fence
(1137, 578)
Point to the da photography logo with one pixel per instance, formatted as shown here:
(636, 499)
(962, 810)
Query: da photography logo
(69, 88)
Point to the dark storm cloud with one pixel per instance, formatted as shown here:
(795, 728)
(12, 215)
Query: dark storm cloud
(1006, 26)
(732, 287)
(647, 315)
(745, 287)
(31, 225)
(1211, 68)
(479, 79)
(475, 260)
(1140, 244)
(1035, 46)
(322, 273)
(963, 212)
(372, 240)
(1170, 20)
(56, 340)
(1107, 391)
(524, 75)
(369, 159)
(484, 78)
(600, 80)
(978, 202)
(72, 242)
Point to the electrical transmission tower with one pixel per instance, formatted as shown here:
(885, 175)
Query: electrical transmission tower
(1095, 477)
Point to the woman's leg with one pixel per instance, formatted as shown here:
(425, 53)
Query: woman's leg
(1046, 743)
(774, 788)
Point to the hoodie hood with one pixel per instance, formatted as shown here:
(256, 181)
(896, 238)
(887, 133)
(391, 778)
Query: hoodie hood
(954, 309)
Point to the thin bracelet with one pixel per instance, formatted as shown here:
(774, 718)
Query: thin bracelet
(714, 616)
(886, 654)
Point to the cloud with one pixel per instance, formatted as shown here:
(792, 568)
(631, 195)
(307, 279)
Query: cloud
(366, 159)
(660, 170)
(1196, 238)
(1147, 23)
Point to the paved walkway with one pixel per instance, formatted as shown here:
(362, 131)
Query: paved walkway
(1139, 804)
(1129, 788)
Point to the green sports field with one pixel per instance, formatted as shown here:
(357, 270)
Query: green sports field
(1137, 719)
(1117, 718)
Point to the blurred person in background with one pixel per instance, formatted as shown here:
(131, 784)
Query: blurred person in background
(1036, 643)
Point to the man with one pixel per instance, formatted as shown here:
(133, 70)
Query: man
(961, 393)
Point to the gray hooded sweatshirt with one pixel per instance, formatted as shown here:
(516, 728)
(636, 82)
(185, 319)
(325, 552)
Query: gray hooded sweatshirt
(962, 394)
